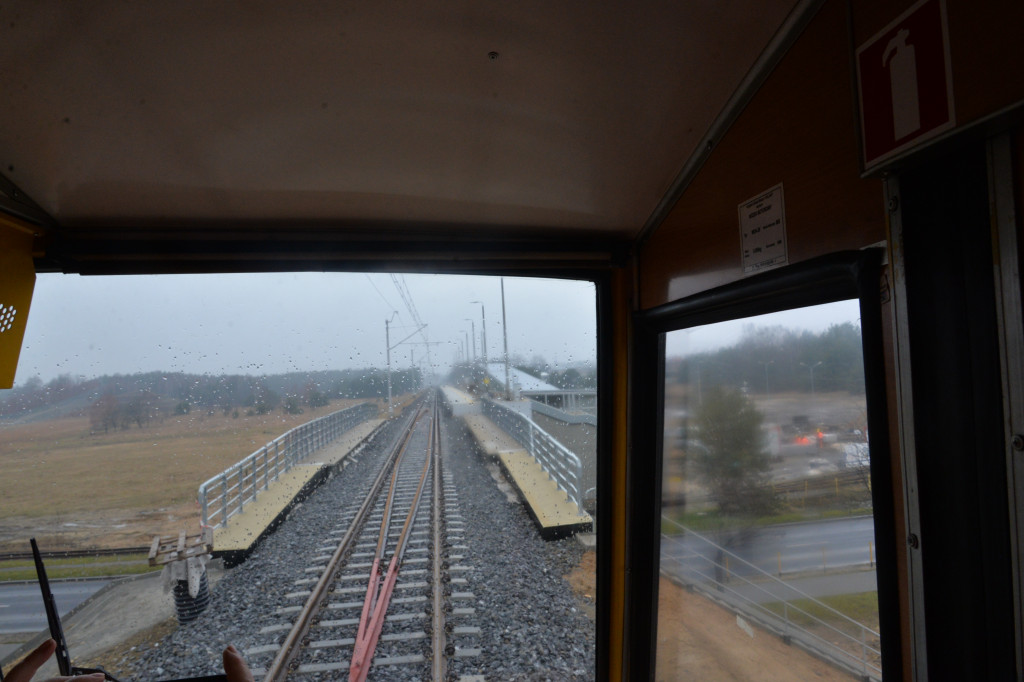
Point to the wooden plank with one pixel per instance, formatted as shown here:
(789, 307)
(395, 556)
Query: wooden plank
(154, 547)
(181, 541)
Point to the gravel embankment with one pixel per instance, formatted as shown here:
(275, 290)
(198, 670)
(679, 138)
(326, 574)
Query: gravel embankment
(532, 625)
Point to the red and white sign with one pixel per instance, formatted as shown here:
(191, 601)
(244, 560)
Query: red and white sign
(905, 82)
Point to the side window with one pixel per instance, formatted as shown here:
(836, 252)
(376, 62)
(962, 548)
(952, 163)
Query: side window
(767, 557)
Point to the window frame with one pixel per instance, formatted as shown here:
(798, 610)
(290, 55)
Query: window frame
(839, 276)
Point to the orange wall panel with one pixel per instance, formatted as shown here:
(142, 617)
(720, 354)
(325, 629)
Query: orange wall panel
(800, 129)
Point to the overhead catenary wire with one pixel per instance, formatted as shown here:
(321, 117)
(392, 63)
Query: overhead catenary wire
(382, 296)
(403, 290)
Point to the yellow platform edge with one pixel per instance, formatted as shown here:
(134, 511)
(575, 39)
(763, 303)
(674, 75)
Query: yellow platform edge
(553, 514)
(456, 397)
(244, 528)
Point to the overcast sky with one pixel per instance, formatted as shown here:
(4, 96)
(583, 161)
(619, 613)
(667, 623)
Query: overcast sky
(713, 336)
(273, 323)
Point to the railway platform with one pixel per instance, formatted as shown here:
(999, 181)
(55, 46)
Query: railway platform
(554, 514)
(236, 540)
(459, 402)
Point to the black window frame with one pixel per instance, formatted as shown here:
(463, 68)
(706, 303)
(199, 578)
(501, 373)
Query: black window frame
(835, 277)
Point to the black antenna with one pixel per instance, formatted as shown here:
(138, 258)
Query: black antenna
(57, 632)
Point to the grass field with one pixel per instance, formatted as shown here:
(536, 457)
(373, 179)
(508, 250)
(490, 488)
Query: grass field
(78, 567)
(819, 617)
(861, 607)
(72, 489)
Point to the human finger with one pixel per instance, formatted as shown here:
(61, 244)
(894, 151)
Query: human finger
(235, 667)
(28, 666)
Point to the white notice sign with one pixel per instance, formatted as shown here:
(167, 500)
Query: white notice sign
(763, 231)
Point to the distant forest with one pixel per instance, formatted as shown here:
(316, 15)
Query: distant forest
(780, 360)
(121, 401)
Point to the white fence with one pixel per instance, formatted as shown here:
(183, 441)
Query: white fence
(558, 461)
(227, 493)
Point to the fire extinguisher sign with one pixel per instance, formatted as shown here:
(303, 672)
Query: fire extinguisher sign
(905, 83)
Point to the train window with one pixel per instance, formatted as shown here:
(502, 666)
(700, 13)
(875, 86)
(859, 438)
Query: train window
(767, 558)
(294, 423)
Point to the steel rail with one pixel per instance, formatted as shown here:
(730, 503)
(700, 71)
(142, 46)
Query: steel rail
(439, 635)
(382, 537)
(373, 584)
(379, 591)
(291, 646)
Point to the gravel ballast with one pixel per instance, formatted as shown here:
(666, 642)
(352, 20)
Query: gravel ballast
(532, 625)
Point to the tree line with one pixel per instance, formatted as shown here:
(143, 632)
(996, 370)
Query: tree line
(123, 401)
(775, 359)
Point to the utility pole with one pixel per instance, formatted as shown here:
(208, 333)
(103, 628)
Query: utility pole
(483, 333)
(387, 344)
(504, 332)
(428, 344)
(472, 326)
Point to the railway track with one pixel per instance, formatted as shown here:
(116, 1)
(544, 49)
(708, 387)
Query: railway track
(384, 596)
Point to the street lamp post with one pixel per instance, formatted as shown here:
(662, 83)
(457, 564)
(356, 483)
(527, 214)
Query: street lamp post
(770, 362)
(811, 367)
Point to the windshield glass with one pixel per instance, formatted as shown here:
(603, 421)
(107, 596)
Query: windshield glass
(242, 419)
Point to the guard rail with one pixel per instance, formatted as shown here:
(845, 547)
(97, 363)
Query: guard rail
(560, 463)
(227, 493)
(776, 605)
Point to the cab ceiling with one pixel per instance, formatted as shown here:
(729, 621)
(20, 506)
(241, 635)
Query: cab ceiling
(563, 119)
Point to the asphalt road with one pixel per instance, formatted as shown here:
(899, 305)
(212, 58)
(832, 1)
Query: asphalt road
(826, 546)
(21, 605)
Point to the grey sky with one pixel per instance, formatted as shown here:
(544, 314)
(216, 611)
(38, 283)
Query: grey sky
(272, 323)
(713, 336)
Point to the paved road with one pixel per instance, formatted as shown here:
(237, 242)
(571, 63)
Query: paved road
(798, 547)
(21, 605)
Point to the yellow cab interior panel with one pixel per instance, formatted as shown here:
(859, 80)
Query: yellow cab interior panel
(617, 143)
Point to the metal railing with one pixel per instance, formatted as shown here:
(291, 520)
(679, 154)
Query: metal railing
(560, 463)
(227, 493)
(562, 415)
(774, 604)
